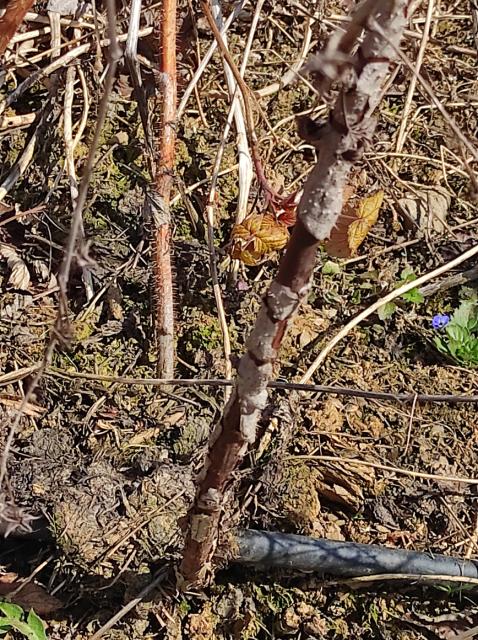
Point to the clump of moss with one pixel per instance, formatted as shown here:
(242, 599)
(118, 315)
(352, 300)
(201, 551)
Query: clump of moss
(298, 496)
(203, 334)
(193, 433)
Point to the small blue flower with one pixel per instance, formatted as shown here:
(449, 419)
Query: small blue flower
(440, 320)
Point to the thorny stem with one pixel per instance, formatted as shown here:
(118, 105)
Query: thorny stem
(166, 137)
(340, 146)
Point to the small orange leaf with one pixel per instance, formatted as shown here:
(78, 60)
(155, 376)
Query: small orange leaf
(256, 237)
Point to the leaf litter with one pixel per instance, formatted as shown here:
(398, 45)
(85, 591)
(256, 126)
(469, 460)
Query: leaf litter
(112, 467)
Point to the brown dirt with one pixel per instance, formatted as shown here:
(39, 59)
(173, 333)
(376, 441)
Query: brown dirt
(111, 467)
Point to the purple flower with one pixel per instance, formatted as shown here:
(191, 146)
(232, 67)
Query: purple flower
(440, 320)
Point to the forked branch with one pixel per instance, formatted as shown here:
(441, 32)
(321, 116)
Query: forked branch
(341, 143)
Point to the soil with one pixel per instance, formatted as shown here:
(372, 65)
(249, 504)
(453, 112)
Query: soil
(104, 471)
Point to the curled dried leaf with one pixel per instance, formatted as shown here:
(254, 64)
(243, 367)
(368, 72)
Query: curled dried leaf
(19, 274)
(28, 595)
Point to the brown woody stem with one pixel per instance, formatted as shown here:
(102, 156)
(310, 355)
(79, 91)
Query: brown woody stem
(319, 208)
(166, 137)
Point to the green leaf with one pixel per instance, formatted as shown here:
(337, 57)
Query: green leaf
(386, 310)
(414, 296)
(5, 625)
(463, 314)
(440, 345)
(331, 268)
(407, 275)
(36, 625)
(472, 324)
(456, 332)
(11, 610)
(25, 629)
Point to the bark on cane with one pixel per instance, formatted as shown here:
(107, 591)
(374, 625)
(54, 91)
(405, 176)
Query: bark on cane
(10, 21)
(165, 138)
(340, 145)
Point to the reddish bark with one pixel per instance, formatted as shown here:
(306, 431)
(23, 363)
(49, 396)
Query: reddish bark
(14, 13)
(165, 156)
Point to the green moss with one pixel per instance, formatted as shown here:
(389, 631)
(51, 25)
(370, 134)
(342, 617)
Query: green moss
(298, 495)
(204, 334)
(193, 433)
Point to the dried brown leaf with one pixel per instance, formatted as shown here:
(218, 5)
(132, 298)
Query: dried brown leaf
(29, 596)
(19, 275)
(353, 225)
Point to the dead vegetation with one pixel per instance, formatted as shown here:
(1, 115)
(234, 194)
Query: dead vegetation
(110, 466)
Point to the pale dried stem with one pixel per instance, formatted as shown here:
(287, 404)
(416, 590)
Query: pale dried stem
(245, 160)
(293, 73)
(387, 467)
(55, 38)
(68, 133)
(70, 164)
(58, 63)
(23, 162)
(131, 57)
(396, 293)
(205, 61)
(244, 156)
(29, 35)
(402, 132)
(160, 577)
(86, 108)
(319, 208)
(210, 207)
(68, 22)
(12, 122)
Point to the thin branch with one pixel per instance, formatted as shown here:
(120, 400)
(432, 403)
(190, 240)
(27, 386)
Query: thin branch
(402, 132)
(205, 61)
(387, 467)
(220, 382)
(162, 270)
(131, 58)
(341, 145)
(157, 580)
(408, 577)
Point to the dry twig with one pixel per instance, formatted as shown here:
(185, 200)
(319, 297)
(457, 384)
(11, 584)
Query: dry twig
(379, 303)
